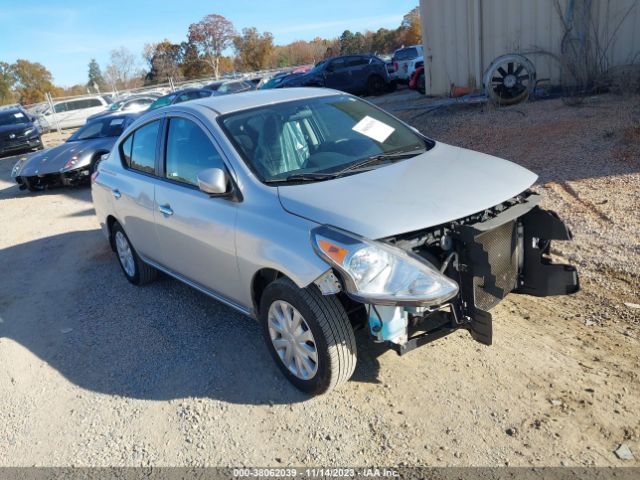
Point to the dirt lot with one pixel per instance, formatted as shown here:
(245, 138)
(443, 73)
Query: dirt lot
(94, 371)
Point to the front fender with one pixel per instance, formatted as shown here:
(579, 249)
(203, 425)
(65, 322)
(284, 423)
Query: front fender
(280, 242)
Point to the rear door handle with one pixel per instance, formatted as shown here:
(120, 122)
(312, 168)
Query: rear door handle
(116, 193)
(166, 210)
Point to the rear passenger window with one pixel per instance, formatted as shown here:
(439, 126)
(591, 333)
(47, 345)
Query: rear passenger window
(139, 149)
(189, 151)
(357, 61)
(93, 102)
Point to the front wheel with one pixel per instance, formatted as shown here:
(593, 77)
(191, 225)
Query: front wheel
(375, 85)
(308, 335)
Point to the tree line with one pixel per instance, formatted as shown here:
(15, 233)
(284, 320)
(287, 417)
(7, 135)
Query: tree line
(203, 54)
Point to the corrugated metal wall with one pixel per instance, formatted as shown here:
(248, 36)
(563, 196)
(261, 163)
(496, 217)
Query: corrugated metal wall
(462, 37)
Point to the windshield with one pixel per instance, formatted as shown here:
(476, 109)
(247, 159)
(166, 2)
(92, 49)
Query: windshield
(318, 67)
(162, 102)
(318, 137)
(14, 117)
(100, 128)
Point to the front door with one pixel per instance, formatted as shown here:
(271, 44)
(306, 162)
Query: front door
(196, 232)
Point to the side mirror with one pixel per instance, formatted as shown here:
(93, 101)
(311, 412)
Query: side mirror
(213, 181)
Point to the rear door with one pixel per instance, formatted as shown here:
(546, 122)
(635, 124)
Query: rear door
(134, 191)
(196, 232)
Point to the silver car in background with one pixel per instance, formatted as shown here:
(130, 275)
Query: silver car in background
(72, 162)
(319, 214)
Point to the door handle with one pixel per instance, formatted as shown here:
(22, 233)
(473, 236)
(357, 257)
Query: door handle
(116, 193)
(165, 210)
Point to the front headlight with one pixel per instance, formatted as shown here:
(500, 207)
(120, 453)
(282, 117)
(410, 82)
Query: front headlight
(71, 163)
(29, 131)
(15, 171)
(375, 272)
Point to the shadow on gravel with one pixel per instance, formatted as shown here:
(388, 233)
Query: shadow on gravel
(65, 299)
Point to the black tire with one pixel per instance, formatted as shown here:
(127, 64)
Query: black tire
(391, 87)
(143, 273)
(331, 329)
(94, 163)
(420, 84)
(375, 85)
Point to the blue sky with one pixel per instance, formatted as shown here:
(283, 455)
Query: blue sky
(65, 35)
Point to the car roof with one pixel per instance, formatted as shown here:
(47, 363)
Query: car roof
(259, 98)
(12, 110)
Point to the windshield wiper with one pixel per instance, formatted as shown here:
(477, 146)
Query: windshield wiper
(397, 155)
(304, 177)
(319, 176)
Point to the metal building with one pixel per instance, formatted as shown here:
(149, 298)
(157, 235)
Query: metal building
(462, 37)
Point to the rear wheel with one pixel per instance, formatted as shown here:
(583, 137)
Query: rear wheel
(136, 271)
(308, 335)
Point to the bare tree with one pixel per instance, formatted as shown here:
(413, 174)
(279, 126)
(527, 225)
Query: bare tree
(211, 36)
(122, 68)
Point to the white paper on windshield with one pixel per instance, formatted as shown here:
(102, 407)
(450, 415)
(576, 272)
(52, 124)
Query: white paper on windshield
(18, 115)
(116, 121)
(373, 128)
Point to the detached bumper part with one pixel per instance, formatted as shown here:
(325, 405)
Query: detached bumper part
(508, 253)
(540, 277)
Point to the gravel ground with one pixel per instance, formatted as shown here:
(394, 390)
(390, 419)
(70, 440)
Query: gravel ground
(97, 372)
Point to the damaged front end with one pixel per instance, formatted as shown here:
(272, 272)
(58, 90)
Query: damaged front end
(488, 255)
(504, 249)
(41, 181)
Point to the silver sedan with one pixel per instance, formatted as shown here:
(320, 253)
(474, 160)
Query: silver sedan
(319, 214)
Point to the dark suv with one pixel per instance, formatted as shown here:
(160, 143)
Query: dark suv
(18, 131)
(357, 74)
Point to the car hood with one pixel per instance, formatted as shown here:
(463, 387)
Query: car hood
(440, 185)
(52, 160)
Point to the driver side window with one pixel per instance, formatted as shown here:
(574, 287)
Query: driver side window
(188, 152)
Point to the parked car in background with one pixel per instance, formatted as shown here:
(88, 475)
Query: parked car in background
(72, 162)
(132, 104)
(275, 81)
(74, 113)
(180, 96)
(405, 60)
(18, 131)
(318, 213)
(224, 87)
(357, 74)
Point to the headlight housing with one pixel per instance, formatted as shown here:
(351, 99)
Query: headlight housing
(375, 272)
(71, 163)
(29, 131)
(15, 171)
